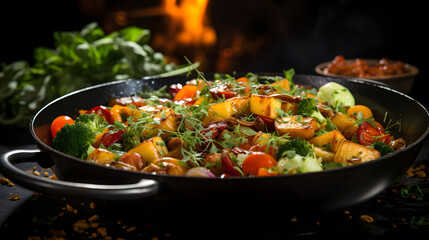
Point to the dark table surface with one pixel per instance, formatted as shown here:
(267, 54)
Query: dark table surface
(44, 216)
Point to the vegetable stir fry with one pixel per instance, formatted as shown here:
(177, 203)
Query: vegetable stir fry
(252, 126)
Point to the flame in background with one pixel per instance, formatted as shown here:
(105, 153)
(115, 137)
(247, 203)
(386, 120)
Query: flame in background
(189, 17)
(188, 32)
(187, 22)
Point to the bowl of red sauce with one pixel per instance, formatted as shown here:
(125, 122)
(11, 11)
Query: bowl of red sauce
(397, 74)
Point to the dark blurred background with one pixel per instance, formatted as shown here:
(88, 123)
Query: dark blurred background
(244, 36)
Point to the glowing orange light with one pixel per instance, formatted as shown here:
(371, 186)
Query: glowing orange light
(190, 15)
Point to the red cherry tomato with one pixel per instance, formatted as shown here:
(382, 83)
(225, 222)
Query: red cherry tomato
(256, 161)
(369, 133)
(59, 123)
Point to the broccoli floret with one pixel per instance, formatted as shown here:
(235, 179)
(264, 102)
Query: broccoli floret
(75, 140)
(297, 156)
(133, 135)
(307, 107)
(297, 145)
(93, 121)
(382, 148)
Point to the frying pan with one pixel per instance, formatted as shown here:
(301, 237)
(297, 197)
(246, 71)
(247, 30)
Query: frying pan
(321, 191)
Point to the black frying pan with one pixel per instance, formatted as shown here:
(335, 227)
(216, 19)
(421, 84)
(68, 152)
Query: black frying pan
(327, 190)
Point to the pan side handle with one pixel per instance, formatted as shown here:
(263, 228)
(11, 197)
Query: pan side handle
(140, 190)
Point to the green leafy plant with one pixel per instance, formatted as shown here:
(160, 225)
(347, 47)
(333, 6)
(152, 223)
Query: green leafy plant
(80, 59)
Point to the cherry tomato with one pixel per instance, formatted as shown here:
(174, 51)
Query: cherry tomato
(369, 133)
(59, 123)
(103, 112)
(255, 161)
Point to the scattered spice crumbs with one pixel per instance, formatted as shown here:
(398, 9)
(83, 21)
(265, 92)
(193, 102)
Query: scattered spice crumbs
(366, 218)
(14, 197)
(418, 171)
(6, 181)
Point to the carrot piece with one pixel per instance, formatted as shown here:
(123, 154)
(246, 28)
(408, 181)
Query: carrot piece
(263, 172)
(187, 91)
(242, 79)
(283, 83)
(244, 82)
(355, 110)
(255, 161)
(333, 138)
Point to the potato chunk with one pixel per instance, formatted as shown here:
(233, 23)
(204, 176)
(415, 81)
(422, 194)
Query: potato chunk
(327, 156)
(345, 124)
(229, 108)
(296, 126)
(349, 151)
(264, 106)
(151, 149)
(167, 165)
(332, 138)
(164, 121)
(102, 156)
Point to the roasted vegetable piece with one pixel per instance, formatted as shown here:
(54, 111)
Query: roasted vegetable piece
(296, 126)
(75, 140)
(345, 124)
(167, 165)
(151, 150)
(330, 140)
(308, 108)
(351, 152)
(229, 108)
(325, 155)
(164, 123)
(121, 113)
(133, 159)
(102, 156)
(263, 105)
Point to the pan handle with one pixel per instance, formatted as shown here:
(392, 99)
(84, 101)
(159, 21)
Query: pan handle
(140, 190)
